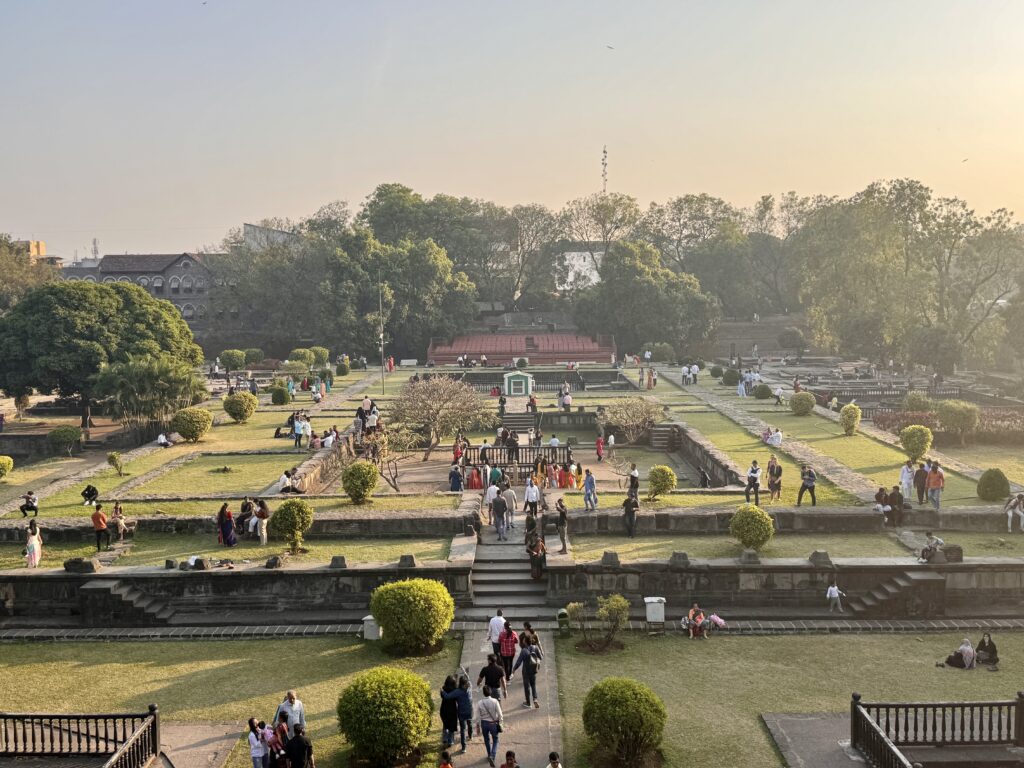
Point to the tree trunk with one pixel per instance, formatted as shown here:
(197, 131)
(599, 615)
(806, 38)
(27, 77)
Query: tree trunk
(434, 442)
(86, 412)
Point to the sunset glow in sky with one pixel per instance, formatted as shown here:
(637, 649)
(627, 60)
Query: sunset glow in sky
(157, 126)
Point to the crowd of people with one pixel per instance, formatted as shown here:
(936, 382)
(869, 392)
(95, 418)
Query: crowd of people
(283, 743)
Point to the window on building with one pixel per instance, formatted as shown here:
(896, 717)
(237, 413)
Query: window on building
(188, 311)
(144, 282)
(109, 280)
(175, 285)
(158, 285)
(185, 263)
(234, 313)
(123, 279)
(186, 284)
(201, 310)
(200, 285)
(89, 279)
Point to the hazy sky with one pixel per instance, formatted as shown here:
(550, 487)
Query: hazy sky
(156, 126)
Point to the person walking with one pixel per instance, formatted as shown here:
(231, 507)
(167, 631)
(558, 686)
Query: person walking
(529, 659)
(935, 485)
(808, 479)
(33, 545)
(493, 676)
(599, 448)
(299, 749)
(921, 482)
(494, 629)
(489, 723)
(99, 525)
(589, 491)
(531, 497)
(630, 507)
(509, 641)
(462, 695)
(753, 483)
(833, 594)
(499, 510)
(907, 479)
(449, 711)
(511, 502)
(292, 708)
(562, 525)
(634, 482)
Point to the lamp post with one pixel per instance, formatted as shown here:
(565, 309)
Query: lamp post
(380, 299)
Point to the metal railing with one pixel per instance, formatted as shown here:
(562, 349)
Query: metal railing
(132, 740)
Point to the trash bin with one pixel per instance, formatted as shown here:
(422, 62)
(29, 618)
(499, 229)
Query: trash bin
(655, 610)
(371, 629)
(563, 623)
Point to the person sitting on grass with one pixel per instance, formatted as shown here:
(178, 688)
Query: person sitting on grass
(986, 652)
(163, 441)
(963, 657)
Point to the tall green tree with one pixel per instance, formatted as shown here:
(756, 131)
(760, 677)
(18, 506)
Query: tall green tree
(599, 220)
(19, 273)
(61, 335)
(683, 223)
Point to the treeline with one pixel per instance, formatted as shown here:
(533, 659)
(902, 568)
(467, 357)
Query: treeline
(893, 272)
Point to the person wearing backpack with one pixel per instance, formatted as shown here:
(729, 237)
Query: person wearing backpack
(529, 659)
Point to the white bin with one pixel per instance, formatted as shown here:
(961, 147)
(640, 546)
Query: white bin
(655, 609)
(372, 630)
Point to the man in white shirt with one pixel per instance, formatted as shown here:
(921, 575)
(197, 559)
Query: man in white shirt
(489, 497)
(292, 707)
(754, 483)
(907, 479)
(567, 401)
(694, 370)
(367, 404)
(609, 445)
(329, 440)
(833, 594)
(494, 629)
(531, 497)
(162, 441)
(554, 442)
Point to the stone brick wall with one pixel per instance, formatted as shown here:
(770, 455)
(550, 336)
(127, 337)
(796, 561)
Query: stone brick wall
(715, 520)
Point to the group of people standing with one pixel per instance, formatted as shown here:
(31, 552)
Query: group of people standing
(927, 480)
(283, 743)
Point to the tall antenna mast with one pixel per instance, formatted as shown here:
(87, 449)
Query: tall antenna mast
(604, 170)
(95, 248)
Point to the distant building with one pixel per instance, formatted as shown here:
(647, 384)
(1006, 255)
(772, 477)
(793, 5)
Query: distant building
(36, 251)
(574, 266)
(258, 238)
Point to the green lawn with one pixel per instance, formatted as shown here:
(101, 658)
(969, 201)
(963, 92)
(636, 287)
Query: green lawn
(712, 546)
(54, 555)
(613, 500)
(250, 474)
(988, 544)
(1009, 458)
(35, 476)
(212, 681)
(153, 549)
(715, 691)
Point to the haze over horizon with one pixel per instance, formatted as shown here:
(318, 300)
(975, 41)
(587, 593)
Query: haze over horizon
(157, 127)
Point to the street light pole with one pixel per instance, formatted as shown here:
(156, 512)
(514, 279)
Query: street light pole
(380, 299)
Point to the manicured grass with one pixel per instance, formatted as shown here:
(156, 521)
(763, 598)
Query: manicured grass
(153, 549)
(1009, 458)
(712, 546)
(250, 474)
(715, 691)
(742, 447)
(37, 475)
(212, 681)
(54, 555)
(988, 544)
(613, 500)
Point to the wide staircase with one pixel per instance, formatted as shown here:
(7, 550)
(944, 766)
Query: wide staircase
(501, 579)
(739, 336)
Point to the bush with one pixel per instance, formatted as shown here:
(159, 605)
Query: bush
(6, 465)
(959, 417)
(660, 479)
(916, 441)
(320, 356)
(762, 391)
(792, 338)
(240, 406)
(731, 377)
(327, 375)
(918, 401)
(359, 479)
(849, 417)
(295, 368)
(385, 713)
(301, 355)
(662, 352)
(993, 485)
(64, 439)
(895, 421)
(253, 355)
(232, 359)
(270, 363)
(716, 371)
(625, 718)
(114, 460)
(343, 369)
(280, 396)
(802, 403)
(414, 614)
(521, 362)
(290, 521)
(192, 423)
(751, 526)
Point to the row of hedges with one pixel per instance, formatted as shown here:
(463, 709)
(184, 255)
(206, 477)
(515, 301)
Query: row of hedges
(993, 425)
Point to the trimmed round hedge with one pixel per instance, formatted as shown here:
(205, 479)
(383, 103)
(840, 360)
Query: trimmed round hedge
(63, 439)
(849, 418)
(290, 521)
(916, 441)
(762, 391)
(385, 713)
(752, 526)
(359, 479)
(192, 423)
(993, 485)
(802, 403)
(660, 479)
(6, 465)
(413, 614)
(716, 371)
(343, 369)
(625, 718)
(731, 377)
(280, 396)
(253, 355)
(240, 406)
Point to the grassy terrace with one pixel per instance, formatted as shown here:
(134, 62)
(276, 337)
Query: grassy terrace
(713, 546)
(612, 501)
(1009, 458)
(249, 474)
(53, 555)
(197, 682)
(717, 690)
(36, 475)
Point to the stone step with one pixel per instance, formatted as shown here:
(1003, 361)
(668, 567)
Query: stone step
(519, 601)
(523, 590)
(500, 577)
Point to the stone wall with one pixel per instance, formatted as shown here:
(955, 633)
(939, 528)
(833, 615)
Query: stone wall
(715, 520)
(698, 451)
(23, 446)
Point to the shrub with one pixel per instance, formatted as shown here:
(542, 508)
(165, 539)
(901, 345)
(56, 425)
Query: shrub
(385, 713)
(662, 352)
(762, 391)
(918, 401)
(327, 375)
(521, 362)
(660, 479)
(241, 406)
(232, 359)
(290, 521)
(802, 403)
(716, 371)
(343, 369)
(849, 417)
(271, 363)
(21, 404)
(280, 396)
(731, 377)
(751, 526)
(6, 465)
(414, 614)
(359, 479)
(959, 417)
(916, 441)
(993, 485)
(114, 460)
(301, 355)
(192, 423)
(320, 356)
(625, 718)
(895, 421)
(253, 355)
(64, 439)
(792, 338)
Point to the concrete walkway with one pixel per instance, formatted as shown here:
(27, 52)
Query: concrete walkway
(532, 733)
